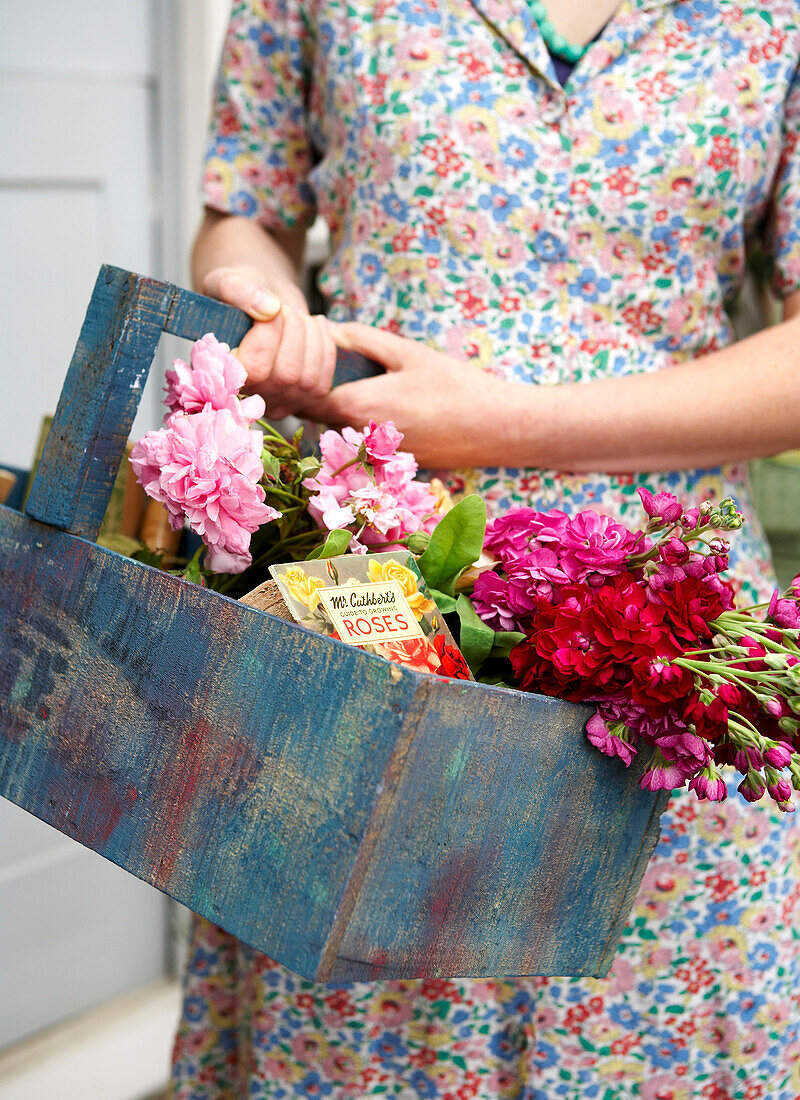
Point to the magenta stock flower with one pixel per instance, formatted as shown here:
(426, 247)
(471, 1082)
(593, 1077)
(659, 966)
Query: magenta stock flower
(594, 543)
(777, 755)
(685, 749)
(205, 467)
(540, 564)
(494, 599)
(709, 784)
(611, 744)
(576, 547)
(663, 776)
(780, 789)
(212, 381)
(663, 506)
(784, 612)
(515, 532)
(674, 551)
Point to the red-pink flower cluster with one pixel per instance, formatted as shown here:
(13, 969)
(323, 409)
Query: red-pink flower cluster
(642, 625)
(367, 486)
(204, 464)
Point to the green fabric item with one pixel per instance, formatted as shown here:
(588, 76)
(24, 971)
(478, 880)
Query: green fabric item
(555, 42)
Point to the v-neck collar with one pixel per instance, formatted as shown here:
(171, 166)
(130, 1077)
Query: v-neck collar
(516, 24)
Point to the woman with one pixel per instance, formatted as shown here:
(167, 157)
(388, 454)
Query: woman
(493, 228)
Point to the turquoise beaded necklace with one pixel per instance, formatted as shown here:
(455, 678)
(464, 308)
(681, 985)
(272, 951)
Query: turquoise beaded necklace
(556, 43)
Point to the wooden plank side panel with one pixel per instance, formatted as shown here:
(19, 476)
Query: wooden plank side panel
(506, 846)
(226, 757)
(99, 400)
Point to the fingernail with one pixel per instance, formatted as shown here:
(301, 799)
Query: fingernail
(265, 304)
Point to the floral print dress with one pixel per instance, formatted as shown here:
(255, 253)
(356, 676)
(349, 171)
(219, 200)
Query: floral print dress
(552, 235)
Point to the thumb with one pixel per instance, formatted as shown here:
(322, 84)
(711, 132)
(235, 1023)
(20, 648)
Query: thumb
(243, 291)
(386, 348)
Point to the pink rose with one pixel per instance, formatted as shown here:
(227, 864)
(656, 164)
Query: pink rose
(381, 441)
(206, 467)
(213, 380)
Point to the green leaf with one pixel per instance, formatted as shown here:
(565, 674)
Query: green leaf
(445, 603)
(272, 467)
(193, 571)
(309, 466)
(496, 680)
(335, 544)
(476, 638)
(149, 557)
(504, 642)
(122, 544)
(456, 543)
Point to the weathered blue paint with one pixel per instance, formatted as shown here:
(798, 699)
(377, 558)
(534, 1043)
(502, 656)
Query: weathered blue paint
(349, 817)
(298, 791)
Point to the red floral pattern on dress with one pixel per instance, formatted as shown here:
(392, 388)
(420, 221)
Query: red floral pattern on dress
(551, 235)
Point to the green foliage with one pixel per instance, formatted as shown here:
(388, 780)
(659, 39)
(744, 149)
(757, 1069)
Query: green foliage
(445, 603)
(194, 572)
(335, 544)
(456, 544)
(504, 642)
(476, 638)
(122, 544)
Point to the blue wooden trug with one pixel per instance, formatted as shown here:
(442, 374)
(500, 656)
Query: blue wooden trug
(351, 818)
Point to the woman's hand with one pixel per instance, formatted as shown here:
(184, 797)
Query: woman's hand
(451, 413)
(289, 355)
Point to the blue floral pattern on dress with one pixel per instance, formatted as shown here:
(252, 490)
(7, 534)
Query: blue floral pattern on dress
(552, 235)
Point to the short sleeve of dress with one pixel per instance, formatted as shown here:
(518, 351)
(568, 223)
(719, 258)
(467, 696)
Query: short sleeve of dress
(782, 237)
(259, 153)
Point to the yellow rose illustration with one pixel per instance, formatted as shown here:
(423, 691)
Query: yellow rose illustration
(394, 571)
(303, 588)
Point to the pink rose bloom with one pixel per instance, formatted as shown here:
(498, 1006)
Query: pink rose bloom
(399, 471)
(206, 467)
(221, 561)
(214, 380)
(379, 508)
(381, 441)
(388, 504)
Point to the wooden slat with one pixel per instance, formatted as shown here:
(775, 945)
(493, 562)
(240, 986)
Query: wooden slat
(349, 817)
(99, 400)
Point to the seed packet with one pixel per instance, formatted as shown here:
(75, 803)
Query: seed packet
(378, 602)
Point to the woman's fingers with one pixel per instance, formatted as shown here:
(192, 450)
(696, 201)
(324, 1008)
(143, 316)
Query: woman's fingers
(289, 356)
(391, 351)
(289, 361)
(240, 290)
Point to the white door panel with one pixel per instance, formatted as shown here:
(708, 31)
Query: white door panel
(79, 181)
